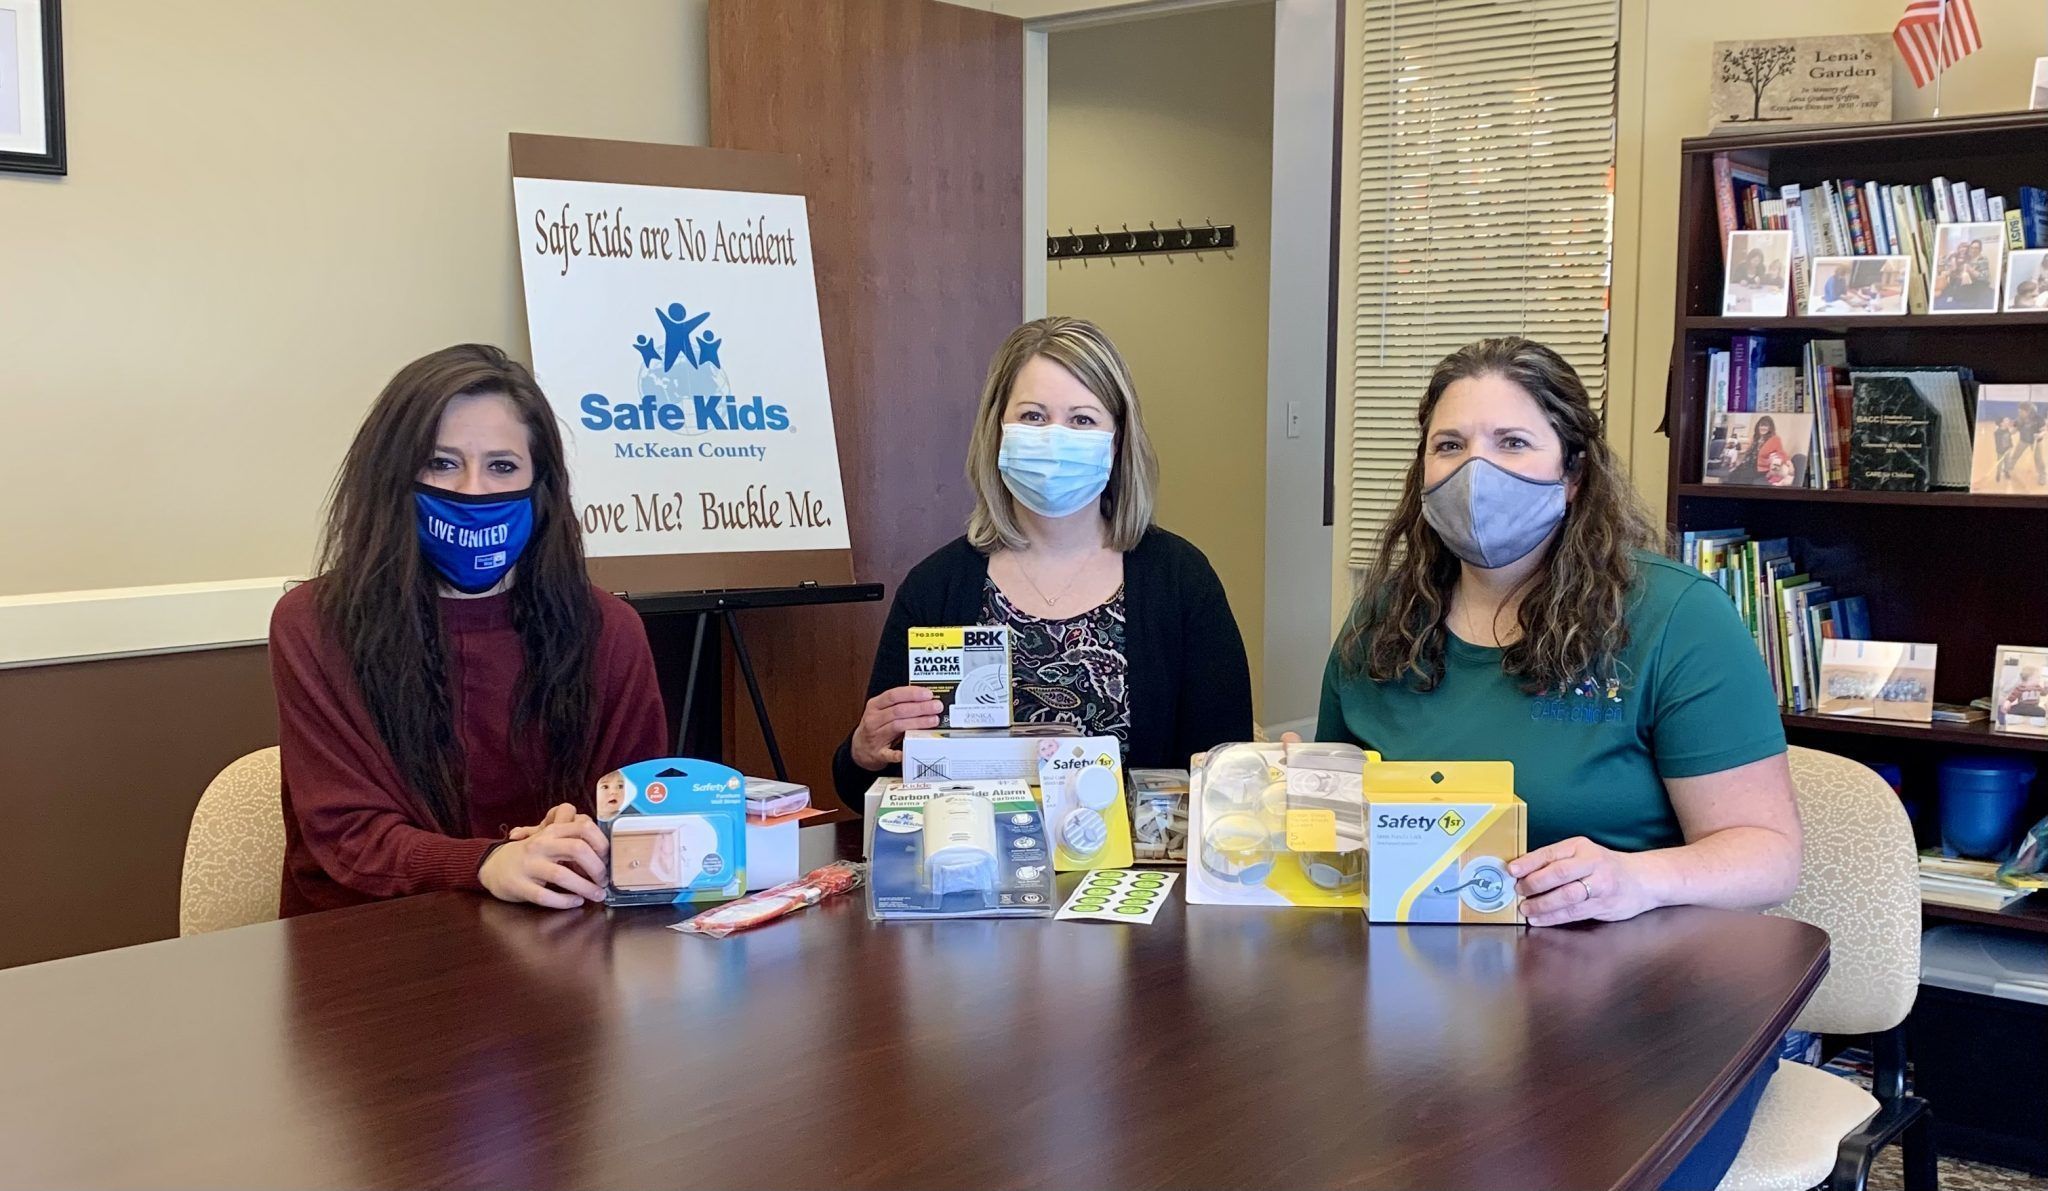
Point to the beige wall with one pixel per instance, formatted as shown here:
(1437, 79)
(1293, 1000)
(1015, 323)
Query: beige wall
(270, 208)
(1168, 119)
(1664, 63)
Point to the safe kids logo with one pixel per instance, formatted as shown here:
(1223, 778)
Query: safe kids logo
(682, 388)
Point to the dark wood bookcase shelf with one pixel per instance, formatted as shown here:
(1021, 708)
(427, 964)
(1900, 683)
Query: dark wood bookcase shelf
(1848, 496)
(1965, 572)
(2030, 913)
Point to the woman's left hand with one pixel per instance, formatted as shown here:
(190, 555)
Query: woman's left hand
(1577, 879)
(561, 812)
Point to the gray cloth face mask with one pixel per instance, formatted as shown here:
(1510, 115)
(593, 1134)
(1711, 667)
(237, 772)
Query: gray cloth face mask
(1491, 517)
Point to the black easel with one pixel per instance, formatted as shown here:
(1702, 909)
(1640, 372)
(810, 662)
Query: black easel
(724, 605)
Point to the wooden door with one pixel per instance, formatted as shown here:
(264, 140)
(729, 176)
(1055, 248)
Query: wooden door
(909, 117)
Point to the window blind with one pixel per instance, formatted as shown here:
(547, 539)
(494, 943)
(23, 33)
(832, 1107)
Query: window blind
(1484, 191)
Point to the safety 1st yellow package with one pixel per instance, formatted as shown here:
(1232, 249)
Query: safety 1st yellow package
(1277, 825)
(1081, 782)
(1441, 834)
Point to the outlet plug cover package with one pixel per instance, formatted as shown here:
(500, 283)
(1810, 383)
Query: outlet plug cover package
(678, 832)
(1441, 834)
(1081, 784)
(979, 754)
(1278, 825)
(966, 850)
(967, 668)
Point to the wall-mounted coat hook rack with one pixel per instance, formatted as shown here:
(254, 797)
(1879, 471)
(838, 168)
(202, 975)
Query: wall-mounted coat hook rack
(1151, 239)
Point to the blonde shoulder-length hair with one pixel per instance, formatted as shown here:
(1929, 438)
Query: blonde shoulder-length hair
(1083, 350)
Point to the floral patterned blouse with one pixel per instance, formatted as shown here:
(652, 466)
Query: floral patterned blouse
(1070, 671)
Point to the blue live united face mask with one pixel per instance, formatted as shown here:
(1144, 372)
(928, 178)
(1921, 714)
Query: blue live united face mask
(473, 540)
(1055, 471)
(1491, 517)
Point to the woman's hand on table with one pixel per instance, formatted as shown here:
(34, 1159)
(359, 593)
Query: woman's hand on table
(1576, 879)
(558, 863)
(561, 812)
(878, 740)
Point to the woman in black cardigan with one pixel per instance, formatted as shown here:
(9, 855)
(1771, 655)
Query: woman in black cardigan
(1117, 626)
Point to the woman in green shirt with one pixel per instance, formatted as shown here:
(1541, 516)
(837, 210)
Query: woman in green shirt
(1516, 612)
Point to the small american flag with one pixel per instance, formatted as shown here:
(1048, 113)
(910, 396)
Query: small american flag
(1929, 42)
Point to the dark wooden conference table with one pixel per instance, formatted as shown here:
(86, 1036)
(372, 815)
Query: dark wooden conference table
(449, 1040)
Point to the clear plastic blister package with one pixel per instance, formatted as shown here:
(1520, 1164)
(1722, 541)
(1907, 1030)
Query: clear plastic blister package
(678, 832)
(1159, 816)
(1278, 825)
(960, 850)
(1080, 783)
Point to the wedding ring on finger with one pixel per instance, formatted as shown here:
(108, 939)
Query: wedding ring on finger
(1585, 890)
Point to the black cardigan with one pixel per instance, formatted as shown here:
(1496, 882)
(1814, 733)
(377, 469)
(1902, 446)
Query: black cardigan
(1190, 687)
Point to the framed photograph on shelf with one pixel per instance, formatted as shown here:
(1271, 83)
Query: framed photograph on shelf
(2026, 279)
(2037, 100)
(1758, 450)
(1759, 273)
(31, 88)
(2009, 453)
(2019, 690)
(1859, 285)
(1880, 680)
(1964, 275)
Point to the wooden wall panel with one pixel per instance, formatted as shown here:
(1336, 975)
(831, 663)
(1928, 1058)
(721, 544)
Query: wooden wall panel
(101, 764)
(909, 117)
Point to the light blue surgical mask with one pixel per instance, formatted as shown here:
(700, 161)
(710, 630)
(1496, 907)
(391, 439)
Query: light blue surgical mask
(1055, 471)
(1490, 516)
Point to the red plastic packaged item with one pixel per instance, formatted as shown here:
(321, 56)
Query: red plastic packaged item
(769, 904)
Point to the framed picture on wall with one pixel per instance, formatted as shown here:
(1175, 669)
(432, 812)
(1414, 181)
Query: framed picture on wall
(31, 88)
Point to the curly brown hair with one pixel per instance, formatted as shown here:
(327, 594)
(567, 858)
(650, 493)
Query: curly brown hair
(1573, 612)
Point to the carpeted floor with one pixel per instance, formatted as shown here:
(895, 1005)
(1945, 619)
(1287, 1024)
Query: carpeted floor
(1956, 1173)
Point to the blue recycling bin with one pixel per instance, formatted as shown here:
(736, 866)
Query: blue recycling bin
(1982, 799)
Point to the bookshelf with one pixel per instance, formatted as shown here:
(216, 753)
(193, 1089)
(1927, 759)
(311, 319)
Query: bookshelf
(1965, 572)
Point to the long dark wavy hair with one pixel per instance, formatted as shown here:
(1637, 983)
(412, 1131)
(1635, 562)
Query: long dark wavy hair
(1573, 611)
(380, 598)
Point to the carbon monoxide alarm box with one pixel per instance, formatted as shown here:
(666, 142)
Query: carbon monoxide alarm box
(967, 668)
(1439, 836)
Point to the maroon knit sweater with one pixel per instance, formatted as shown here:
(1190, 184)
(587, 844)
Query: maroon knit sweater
(354, 831)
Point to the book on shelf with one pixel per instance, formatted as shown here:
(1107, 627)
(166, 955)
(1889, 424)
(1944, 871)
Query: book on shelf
(1789, 613)
(1960, 713)
(1972, 884)
(1850, 217)
(1781, 426)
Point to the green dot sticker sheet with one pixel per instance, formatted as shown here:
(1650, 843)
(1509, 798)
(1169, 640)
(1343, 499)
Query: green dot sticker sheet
(1131, 895)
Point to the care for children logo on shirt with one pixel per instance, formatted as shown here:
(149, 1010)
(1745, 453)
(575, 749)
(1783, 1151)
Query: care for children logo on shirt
(682, 388)
(1590, 701)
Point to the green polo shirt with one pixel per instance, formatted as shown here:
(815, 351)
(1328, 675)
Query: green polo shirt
(1695, 700)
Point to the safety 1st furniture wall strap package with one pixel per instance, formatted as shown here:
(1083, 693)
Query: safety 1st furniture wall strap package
(677, 829)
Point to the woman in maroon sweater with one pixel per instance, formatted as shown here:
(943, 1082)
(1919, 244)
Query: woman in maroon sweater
(451, 686)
